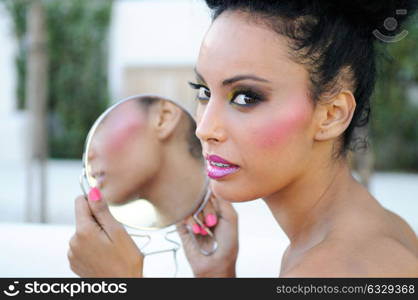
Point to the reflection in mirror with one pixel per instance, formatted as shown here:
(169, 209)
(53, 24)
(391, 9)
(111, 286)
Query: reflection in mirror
(144, 157)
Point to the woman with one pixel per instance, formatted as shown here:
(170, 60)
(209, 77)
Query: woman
(281, 87)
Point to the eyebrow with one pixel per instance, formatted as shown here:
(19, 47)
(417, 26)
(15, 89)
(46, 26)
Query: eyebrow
(233, 79)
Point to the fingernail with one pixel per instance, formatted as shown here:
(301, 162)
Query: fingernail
(211, 220)
(203, 231)
(196, 228)
(94, 194)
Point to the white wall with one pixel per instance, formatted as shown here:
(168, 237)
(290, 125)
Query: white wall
(7, 75)
(162, 32)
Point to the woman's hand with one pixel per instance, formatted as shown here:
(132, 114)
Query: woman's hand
(101, 247)
(221, 218)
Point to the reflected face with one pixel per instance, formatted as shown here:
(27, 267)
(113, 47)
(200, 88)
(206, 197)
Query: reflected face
(123, 152)
(254, 109)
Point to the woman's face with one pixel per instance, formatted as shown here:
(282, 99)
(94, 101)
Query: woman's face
(271, 139)
(123, 152)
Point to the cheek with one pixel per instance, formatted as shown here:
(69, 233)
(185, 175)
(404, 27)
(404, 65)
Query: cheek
(282, 126)
(122, 135)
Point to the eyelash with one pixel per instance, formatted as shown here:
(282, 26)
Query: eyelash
(247, 92)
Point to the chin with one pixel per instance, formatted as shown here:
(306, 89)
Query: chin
(230, 193)
(114, 196)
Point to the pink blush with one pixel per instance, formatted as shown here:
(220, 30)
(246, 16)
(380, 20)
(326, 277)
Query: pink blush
(123, 130)
(283, 125)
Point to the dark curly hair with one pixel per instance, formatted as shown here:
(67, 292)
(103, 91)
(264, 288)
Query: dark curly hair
(335, 40)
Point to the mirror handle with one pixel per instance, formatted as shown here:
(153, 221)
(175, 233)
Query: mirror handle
(210, 233)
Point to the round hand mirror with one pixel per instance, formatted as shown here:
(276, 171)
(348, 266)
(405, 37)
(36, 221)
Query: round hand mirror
(143, 156)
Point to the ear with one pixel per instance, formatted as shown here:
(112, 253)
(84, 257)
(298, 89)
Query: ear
(167, 116)
(334, 115)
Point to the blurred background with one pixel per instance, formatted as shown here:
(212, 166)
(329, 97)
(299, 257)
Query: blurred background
(63, 62)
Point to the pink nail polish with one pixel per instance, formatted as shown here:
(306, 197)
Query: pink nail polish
(196, 228)
(211, 220)
(94, 194)
(203, 231)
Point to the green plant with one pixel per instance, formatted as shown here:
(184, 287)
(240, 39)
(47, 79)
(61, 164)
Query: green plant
(394, 121)
(77, 34)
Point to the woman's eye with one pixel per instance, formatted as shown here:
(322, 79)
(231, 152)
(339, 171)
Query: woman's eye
(244, 99)
(203, 93)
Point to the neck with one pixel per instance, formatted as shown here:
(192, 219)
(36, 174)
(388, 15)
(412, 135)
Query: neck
(176, 189)
(303, 208)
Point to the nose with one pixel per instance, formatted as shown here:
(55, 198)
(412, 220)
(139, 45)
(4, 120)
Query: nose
(210, 122)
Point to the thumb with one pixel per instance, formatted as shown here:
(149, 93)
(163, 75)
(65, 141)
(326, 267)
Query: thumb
(100, 211)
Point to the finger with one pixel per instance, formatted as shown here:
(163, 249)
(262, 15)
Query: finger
(210, 215)
(70, 255)
(70, 258)
(192, 226)
(83, 214)
(100, 211)
(200, 227)
(199, 219)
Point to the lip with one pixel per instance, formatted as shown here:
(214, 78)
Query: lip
(217, 172)
(218, 159)
(99, 177)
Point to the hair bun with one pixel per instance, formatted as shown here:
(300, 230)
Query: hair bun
(373, 14)
(386, 15)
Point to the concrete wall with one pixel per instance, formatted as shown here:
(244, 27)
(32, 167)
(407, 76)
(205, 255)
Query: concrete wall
(154, 33)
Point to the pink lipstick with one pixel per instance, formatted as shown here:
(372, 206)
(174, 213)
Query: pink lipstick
(99, 177)
(218, 167)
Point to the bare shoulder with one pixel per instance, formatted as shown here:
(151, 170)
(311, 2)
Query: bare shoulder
(365, 240)
(378, 256)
